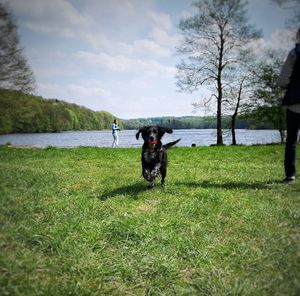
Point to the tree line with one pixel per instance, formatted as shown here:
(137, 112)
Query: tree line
(246, 121)
(25, 113)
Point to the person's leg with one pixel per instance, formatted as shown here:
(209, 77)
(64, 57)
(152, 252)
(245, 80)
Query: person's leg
(292, 127)
(114, 142)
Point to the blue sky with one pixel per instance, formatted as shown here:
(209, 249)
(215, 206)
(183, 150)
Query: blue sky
(118, 55)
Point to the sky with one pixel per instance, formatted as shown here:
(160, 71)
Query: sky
(118, 55)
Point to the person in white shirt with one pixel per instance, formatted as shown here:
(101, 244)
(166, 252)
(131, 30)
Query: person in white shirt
(115, 135)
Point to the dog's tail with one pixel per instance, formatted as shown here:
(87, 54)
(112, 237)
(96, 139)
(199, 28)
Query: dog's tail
(169, 145)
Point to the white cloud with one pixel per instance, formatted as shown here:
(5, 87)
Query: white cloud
(89, 89)
(280, 40)
(164, 38)
(101, 24)
(51, 16)
(144, 46)
(161, 30)
(160, 20)
(121, 63)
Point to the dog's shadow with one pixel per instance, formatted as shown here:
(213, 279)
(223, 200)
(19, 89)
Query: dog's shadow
(132, 191)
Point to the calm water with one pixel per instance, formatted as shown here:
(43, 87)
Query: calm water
(201, 137)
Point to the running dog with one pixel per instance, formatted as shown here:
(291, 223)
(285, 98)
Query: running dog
(154, 153)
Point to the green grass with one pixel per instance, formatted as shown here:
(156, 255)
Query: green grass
(81, 222)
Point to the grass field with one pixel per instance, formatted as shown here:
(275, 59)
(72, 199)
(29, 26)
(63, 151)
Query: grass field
(81, 222)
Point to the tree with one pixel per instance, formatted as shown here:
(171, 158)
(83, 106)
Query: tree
(240, 90)
(236, 93)
(15, 72)
(212, 40)
(266, 101)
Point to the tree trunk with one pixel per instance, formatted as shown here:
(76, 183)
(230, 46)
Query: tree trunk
(233, 117)
(219, 123)
(220, 89)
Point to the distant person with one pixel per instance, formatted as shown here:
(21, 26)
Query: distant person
(289, 79)
(115, 135)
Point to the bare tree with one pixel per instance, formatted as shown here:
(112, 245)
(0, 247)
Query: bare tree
(15, 72)
(236, 93)
(240, 89)
(211, 44)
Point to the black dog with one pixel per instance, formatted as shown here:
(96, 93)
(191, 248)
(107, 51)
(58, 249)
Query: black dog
(154, 154)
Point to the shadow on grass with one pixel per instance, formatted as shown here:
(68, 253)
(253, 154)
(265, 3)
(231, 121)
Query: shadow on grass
(229, 185)
(131, 190)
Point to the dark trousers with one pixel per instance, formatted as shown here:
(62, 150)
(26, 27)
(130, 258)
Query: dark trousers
(292, 127)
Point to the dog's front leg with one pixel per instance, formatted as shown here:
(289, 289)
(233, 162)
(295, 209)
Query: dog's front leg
(152, 184)
(153, 174)
(148, 175)
(155, 171)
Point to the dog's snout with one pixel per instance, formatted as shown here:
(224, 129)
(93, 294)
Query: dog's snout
(151, 138)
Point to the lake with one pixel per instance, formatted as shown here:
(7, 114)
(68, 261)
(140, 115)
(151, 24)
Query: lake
(200, 137)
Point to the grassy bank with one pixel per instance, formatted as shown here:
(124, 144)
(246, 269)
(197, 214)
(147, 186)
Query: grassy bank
(81, 222)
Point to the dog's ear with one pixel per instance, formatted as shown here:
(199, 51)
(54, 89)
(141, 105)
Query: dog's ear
(139, 131)
(163, 130)
(168, 130)
(138, 134)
